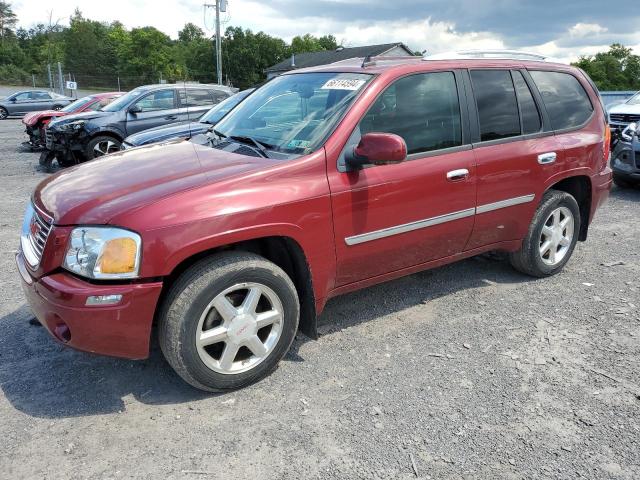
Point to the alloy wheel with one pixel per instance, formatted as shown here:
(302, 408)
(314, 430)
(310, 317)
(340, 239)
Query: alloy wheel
(240, 328)
(3, 113)
(104, 148)
(557, 236)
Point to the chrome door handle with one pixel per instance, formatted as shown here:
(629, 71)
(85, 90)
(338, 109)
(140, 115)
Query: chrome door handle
(455, 175)
(547, 158)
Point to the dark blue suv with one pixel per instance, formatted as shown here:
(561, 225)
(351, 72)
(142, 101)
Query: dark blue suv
(84, 136)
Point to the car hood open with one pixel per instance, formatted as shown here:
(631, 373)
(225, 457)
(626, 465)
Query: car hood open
(95, 192)
(32, 118)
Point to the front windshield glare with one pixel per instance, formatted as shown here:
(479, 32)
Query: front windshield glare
(123, 101)
(294, 114)
(635, 100)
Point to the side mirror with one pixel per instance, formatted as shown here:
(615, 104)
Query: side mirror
(377, 149)
(13, 100)
(135, 109)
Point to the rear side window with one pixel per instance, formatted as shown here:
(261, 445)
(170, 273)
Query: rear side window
(497, 104)
(160, 100)
(423, 109)
(195, 98)
(564, 97)
(218, 96)
(529, 114)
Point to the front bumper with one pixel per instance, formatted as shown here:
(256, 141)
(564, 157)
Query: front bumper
(59, 302)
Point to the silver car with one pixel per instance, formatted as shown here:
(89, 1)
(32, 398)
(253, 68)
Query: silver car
(26, 101)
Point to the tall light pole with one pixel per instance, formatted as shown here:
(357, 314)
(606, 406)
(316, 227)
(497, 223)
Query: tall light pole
(220, 6)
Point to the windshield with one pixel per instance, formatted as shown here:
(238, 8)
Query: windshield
(635, 100)
(294, 114)
(214, 115)
(123, 101)
(81, 102)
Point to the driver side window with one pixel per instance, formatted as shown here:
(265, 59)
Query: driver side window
(423, 109)
(161, 100)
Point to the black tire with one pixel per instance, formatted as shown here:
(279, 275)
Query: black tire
(189, 299)
(3, 113)
(621, 182)
(529, 259)
(109, 145)
(46, 160)
(58, 107)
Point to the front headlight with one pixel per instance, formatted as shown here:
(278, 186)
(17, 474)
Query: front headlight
(103, 253)
(71, 126)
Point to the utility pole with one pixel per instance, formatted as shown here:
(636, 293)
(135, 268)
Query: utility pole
(60, 78)
(220, 6)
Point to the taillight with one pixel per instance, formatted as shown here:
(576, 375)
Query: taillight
(606, 149)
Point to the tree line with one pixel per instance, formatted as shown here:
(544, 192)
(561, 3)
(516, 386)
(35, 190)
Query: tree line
(94, 50)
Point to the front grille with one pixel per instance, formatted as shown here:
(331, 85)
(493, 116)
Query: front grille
(48, 138)
(624, 118)
(35, 232)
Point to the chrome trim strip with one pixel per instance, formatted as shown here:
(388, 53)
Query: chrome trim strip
(430, 222)
(409, 227)
(510, 202)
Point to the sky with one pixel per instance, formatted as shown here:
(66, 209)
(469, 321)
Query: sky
(564, 29)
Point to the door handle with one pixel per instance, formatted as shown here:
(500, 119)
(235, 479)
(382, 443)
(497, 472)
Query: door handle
(547, 158)
(170, 117)
(457, 175)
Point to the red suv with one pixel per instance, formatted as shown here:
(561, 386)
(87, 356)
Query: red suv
(323, 181)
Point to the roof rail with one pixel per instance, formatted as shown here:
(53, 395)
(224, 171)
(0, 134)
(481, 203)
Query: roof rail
(489, 54)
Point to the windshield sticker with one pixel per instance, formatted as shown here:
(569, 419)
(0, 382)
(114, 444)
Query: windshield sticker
(343, 84)
(298, 144)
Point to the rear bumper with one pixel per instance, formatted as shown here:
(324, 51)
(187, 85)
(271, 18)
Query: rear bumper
(601, 186)
(122, 330)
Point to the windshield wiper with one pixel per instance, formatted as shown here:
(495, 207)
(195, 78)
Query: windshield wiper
(260, 146)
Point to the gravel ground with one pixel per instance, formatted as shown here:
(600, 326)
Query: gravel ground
(467, 371)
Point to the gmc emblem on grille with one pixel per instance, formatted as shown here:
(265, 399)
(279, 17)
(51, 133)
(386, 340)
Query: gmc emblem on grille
(34, 227)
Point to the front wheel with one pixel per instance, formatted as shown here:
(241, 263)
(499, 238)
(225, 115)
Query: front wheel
(621, 182)
(551, 238)
(228, 320)
(46, 160)
(102, 145)
(3, 113)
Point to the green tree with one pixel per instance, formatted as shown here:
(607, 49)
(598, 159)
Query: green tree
(616, 69)
(8, 20)
(309, 43)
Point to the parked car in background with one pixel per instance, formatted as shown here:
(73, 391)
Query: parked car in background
(323, 181)
(25, 101)
(87, 135)
(36, 122)
(622, 114)
(186, 129)
(625, 158)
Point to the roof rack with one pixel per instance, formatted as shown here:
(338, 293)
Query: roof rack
(489, 54)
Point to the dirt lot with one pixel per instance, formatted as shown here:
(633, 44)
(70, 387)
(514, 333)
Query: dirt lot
(467, 371)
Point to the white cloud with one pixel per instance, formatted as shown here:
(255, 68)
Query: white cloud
(582, 30)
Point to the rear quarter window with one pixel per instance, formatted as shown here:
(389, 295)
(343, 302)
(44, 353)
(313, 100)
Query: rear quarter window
(564, 97)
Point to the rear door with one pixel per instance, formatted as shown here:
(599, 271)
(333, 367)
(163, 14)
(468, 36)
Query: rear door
(159, 107)
(515, 151)
(388, 218)
(41, 101)
(195, 102)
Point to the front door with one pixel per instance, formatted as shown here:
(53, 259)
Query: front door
(387, 218)
(156, 108)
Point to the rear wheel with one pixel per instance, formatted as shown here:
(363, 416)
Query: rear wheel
(3, 113)
(57, 107)
(102, 145)
(228, 320)
(551, 238)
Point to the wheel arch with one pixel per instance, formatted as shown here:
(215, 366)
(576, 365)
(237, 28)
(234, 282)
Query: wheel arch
(283, 251)
(106, 133)
(580, 188)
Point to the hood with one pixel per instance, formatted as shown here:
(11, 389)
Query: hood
(34, 117)
(79, 116)
(625, 108)
(166, 132)
(95, 192)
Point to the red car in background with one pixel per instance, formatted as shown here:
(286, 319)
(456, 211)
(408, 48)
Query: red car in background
(35, 122)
